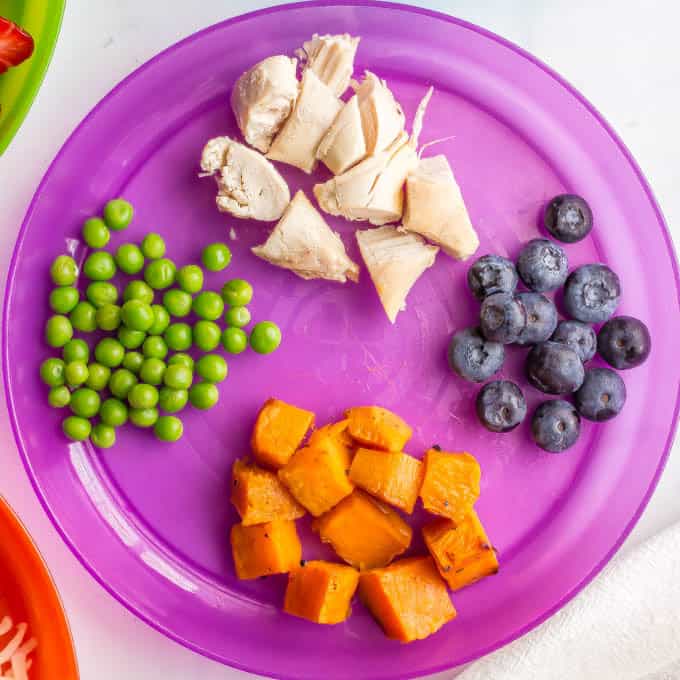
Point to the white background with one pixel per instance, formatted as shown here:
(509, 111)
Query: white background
(624, 55)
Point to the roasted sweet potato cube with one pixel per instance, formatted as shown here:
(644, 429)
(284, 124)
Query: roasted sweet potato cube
(258, 495)
(391, 476)
(336, 432)
(264, 549)
(364, 532)
(450, 483)
(317, 476)
(321, 591)
(279, 431)
(378, 428)
(461, 550)
(408, 599)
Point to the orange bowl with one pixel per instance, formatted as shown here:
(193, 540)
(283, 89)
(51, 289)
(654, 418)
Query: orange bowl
(27, 590)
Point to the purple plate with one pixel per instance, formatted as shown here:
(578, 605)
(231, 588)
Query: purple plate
(151, 521)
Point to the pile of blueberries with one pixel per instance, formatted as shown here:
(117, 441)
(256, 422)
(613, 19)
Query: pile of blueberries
(560, 349)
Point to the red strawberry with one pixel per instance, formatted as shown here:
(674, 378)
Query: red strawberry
(15, 44)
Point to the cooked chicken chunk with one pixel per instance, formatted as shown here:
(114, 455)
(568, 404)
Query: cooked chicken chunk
(395, 260)
(381, 116)
(331, 57)
(263, 98)
(303, 242)
(436, 210)
(249, 186)
(343, 145)
(314, 112)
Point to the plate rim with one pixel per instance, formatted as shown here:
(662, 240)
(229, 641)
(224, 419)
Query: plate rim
(310, 4)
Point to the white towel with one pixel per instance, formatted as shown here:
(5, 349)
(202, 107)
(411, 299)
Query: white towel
(623, 626)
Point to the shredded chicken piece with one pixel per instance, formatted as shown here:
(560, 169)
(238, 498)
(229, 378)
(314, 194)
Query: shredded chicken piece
(16, 650)
(331, 57)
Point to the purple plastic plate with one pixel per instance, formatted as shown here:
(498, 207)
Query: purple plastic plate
(151, 521)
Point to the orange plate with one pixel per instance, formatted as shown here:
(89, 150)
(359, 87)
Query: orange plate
(32, 597)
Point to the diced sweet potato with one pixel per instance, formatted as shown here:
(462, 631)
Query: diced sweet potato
(258, 495)
(450, 483)
(321, 591)
(461, 551)
(264, 549)
(408, 599)
(318, 476)
(364, 532)
(391, 476)
(378, 428)
(279, 431)
(336, 432)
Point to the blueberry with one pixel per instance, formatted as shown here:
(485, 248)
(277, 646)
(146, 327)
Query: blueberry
(473, 357)
(491, 274)
(591, 293)
(554, 368)
(502, 318)
(602, 394)
(501, 406)
(542, 265)
(555, 425)
(624, 342)
(541, 318)
(568, 218)
(579, 336)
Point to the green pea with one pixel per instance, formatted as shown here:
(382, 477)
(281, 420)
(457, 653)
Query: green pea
(177, 302)
(95, 232)
(203, 395)
(129, 258)
(208, 305)
(77, 429)
(234, 340)
(130, 338)
(238, 317)
(58, 330)
(161, 320)
(178, 336)
(154, 347)
(216, 257)
(76, 373)
(76, 350)
(64, 270)
(137, 315)
(101, 293)
(118, 214)
(160, 274)
(52, 372)
(138, 290)
(133, 361)
(85, 403)
(59, 397)
(143, 396)
(265, 337)
(206, 335)
(181, 358)
(113, 412)
(170, 400)
(99, 266)
(108, 317)
(103, 436)
(190, 278)
(63, 300)
(152, 371)
(98, 376)
(143, 417)
(153, 246)
(237, 293)
(121, 382)
(84, 317)
(168, 428)
(212, 368)
(109, 352)
(178, 377)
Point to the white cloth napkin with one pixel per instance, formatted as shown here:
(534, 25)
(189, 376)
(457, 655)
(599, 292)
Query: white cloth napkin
(623, 626)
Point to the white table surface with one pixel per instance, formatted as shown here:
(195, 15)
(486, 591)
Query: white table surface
(624, 60)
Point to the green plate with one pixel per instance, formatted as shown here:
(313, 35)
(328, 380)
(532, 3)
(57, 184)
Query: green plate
(18, 87)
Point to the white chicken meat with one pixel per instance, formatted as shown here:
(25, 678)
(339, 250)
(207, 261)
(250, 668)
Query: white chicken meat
(331, 57)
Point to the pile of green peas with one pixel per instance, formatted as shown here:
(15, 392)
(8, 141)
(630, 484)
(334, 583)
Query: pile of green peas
(142, 367)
